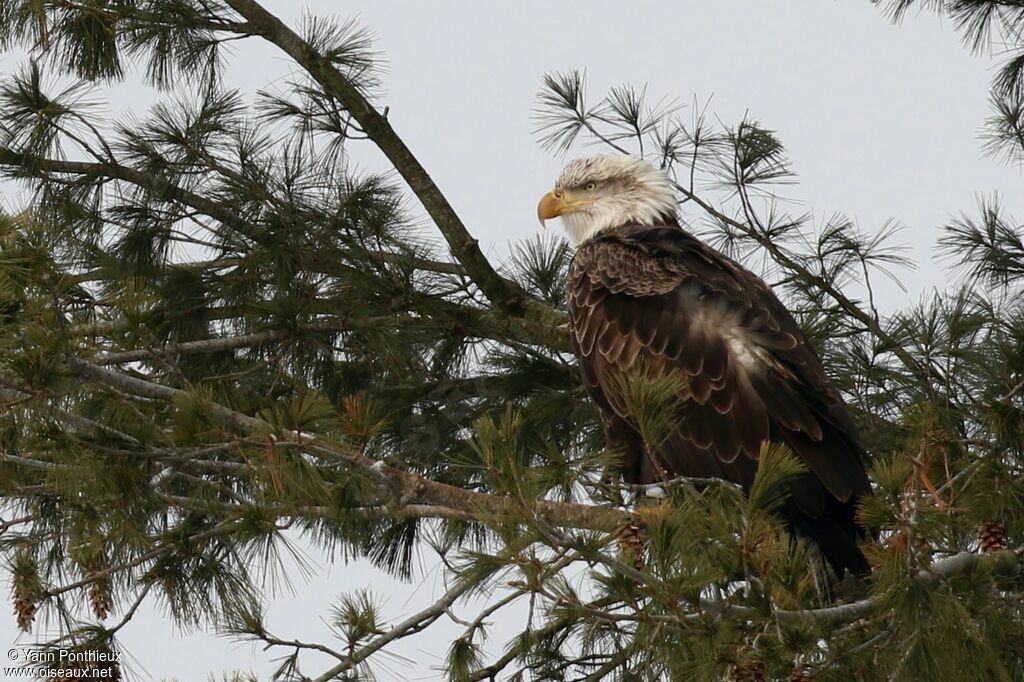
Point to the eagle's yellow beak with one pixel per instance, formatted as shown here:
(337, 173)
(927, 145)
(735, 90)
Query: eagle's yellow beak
(552, 205)
(559, 202)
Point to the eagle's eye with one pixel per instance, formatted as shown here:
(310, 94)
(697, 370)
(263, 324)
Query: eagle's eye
(590, 186)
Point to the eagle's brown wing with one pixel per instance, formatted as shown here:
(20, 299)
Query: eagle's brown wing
(658, 297)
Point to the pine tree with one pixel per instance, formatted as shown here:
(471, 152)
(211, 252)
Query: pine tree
(215, 333)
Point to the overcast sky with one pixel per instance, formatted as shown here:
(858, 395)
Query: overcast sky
(880, 121)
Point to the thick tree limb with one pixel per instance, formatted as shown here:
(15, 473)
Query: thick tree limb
(506, 295)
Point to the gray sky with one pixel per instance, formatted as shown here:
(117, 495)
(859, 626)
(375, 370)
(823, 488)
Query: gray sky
(880, 121)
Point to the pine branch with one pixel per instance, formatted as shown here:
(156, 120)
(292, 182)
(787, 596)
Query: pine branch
(204, 345)
(402, 512)
(402, 485)
(491, 672)
(405, 260)
(410, 625)
(507, 296)
(1004, 563)
(23, 164)
(547, 329)
(477, 322)
(272, 641)
(225, 528)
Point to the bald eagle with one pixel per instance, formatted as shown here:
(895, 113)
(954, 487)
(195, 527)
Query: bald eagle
(642, 291)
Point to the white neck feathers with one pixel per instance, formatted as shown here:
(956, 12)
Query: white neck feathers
(628, 190)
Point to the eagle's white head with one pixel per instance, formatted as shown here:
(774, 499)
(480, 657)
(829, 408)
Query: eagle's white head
(600, 192)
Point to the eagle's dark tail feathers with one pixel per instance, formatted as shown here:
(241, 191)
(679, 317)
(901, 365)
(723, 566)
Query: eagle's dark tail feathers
(835, 533)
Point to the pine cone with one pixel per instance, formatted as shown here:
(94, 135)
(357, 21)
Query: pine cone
(24, 604)
(99, 597)
(632, 542)
(992, 536)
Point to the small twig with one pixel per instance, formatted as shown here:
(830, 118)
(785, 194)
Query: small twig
(645, 488)
(413, 623)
